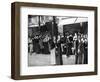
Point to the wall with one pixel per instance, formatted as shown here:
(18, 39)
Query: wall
(5, 40)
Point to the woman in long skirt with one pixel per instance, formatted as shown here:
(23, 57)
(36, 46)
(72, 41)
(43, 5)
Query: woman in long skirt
(53, 56)
(52, 53)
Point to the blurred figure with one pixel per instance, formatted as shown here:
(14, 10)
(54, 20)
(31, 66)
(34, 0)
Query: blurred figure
(46, 44)
(59, 60)
(52, 52)
(41, 44)
(85, 50)
(80, 50)
(66, 43)
(76, 47)
(36, 44)
(62, 43)
(30, 46)
(70, 45)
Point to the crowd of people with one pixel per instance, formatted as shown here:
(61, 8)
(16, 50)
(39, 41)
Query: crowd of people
(76, 44)
(69, 44)
(39, 44)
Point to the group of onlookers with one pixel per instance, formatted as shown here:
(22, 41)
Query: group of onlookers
(76, 44)
(39, 44)
(70, 44)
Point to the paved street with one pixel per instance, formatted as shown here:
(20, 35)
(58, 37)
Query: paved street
(44, 60)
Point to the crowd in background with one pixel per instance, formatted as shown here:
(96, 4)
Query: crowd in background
(76, 44)
(39, 43)
(69, 44)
